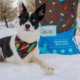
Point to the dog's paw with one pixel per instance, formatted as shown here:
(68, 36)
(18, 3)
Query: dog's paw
(48, 67)
(47, 72)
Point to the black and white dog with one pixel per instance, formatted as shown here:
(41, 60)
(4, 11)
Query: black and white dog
(23, 47)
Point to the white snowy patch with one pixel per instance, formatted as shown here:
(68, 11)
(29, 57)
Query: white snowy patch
(7, 32)
(65, 68)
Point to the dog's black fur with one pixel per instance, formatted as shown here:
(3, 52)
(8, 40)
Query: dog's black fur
(5, 45)
(34, 18)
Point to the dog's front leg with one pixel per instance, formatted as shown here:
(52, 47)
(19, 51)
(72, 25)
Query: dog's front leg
(42, 64)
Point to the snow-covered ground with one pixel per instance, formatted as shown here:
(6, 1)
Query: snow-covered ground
(66, 67)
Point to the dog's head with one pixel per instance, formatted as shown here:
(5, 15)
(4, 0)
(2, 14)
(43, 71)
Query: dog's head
(29, 23)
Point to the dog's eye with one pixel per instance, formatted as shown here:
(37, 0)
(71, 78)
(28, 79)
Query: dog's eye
(34, 20)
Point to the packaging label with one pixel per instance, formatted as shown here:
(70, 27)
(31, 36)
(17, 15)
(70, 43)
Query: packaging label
(49, 30)
(53, 42)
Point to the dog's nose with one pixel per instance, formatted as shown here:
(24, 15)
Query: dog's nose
(27, 26)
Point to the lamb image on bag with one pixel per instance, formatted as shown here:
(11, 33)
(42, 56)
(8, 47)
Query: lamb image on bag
(44, 48)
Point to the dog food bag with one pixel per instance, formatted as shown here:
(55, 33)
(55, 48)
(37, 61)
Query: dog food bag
(58, 27)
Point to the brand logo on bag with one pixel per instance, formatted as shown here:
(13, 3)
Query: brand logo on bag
(48, 30)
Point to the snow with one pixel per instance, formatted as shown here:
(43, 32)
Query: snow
(7, 32)
(66, 67)
(11, 24)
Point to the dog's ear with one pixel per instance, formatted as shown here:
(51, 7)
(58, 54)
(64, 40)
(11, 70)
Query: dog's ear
(24, 8)
(21, 9)
(41, 11)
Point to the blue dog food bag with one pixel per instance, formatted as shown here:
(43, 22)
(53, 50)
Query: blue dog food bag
(58, 27)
